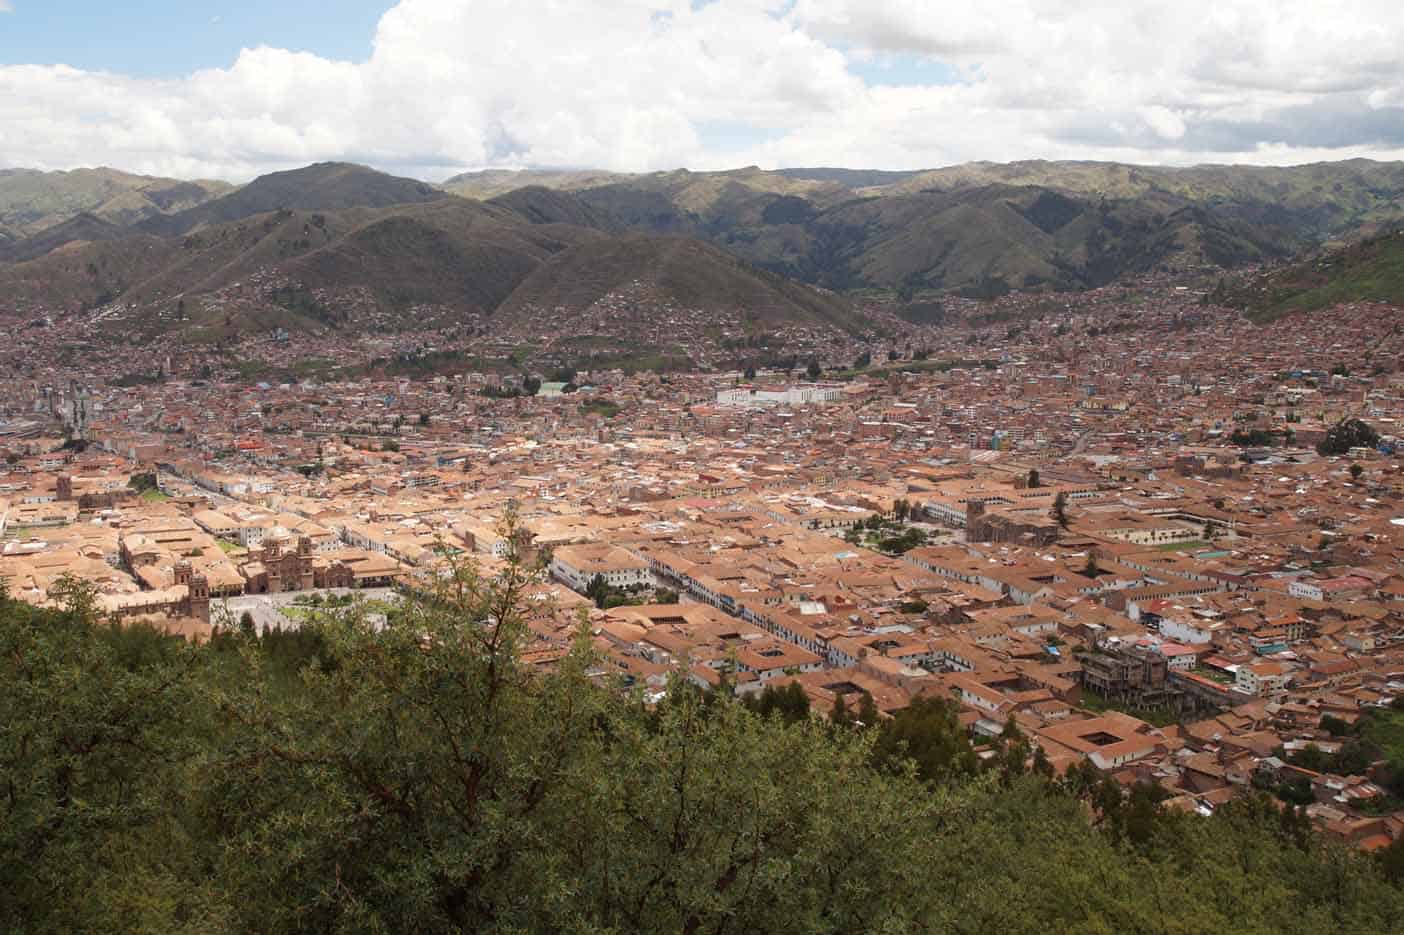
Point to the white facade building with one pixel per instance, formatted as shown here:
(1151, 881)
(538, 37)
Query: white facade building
(803, 394)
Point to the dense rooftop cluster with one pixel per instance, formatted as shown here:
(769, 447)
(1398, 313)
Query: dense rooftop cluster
(1104, 518)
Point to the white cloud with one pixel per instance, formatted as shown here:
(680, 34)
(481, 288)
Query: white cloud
(6, 6)
(640, 84)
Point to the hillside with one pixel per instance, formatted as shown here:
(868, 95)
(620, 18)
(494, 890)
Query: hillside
(1370, 270)
(541, 205)
(82, 228)
(328, 186)
(460, 255)
(490, 183)
(984, 227)
(32, 201)
(360, 268)
(669, 273)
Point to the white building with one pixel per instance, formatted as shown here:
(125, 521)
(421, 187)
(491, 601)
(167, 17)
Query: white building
(803, 394)
(577, 566)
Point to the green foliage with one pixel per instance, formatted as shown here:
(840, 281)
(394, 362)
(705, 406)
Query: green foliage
(900, 544)
(418, 777)
(606, 408)
(606, 595)
(143, 483)
(89, 748)
(1369, 270)
(787, 702)
(1348, 434)
(1256, 438)
(928, 736)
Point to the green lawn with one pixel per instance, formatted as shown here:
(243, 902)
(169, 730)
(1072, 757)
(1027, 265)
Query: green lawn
(1385, 729)
(1183, 546)
(229, 548)
(154, 496)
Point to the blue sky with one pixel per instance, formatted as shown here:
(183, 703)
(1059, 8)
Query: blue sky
(171, 38)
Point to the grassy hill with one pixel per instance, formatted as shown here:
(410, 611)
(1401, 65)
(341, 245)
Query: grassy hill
(82, 228)
(328, 186)
(673, 272)
(32, 201)
(541, 205)
(490, 183)
(460, 254)
(1369, 270)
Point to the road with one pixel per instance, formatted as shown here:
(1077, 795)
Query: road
(266, 609)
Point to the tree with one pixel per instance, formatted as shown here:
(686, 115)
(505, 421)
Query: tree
(531, 386)
(839, 715)
(867, 711)
(1090, 568)
(788, 702)
(1060, 510)
(598, 590)
(863, 361)
(428, 775)
(246, 623)
(665, 596)
(1348, 434)
(1013, 751)
(1355, 471)
(88, 757)
(813, 371)
(1392, 861)
(750, 373)
(424, 418)
(1033, 478)
(928, 735)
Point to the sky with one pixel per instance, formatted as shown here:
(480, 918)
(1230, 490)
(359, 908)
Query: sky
(428, 88)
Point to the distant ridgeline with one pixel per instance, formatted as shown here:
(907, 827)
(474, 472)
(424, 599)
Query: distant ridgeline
(670, 258)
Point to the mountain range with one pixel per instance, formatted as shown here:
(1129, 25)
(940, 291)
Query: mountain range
(339, 246)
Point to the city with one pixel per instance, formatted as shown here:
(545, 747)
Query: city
(1141, 559)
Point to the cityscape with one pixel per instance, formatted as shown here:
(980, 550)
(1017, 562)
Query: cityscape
(440, 536)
